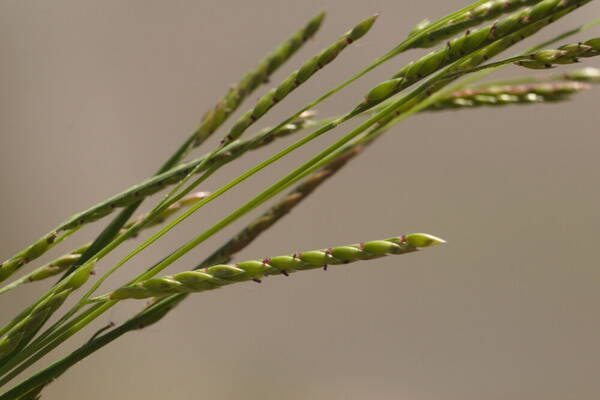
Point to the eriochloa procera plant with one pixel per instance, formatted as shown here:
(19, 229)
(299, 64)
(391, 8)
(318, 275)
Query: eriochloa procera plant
(466, 45)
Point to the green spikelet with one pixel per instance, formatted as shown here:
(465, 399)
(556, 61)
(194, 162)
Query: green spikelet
(221, 275)
(297, 78)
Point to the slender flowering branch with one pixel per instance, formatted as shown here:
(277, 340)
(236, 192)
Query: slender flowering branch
(509, 94)
(221, 275)
(586, 75)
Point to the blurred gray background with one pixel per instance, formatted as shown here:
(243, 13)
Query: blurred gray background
(96, 94)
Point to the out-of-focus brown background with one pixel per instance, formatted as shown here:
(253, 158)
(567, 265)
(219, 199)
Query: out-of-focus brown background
(95, 95)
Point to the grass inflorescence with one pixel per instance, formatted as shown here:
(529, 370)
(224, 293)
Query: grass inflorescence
(464, 49)
(217, 276)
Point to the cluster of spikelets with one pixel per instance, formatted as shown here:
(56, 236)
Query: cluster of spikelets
(467, 50)
(217, 276)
